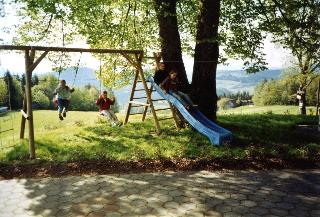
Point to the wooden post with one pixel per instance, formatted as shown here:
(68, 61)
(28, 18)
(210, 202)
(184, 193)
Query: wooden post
(174, 115)
(318, 99)
(318, 104)
(157, 57)
(146, 107)
(29, 62)
(23, 119)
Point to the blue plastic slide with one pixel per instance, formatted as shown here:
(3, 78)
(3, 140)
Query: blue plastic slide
(216, 134)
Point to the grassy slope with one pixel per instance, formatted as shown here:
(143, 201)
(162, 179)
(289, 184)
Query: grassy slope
(84, 136)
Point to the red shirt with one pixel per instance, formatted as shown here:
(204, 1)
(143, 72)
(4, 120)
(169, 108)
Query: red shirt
(104, 104)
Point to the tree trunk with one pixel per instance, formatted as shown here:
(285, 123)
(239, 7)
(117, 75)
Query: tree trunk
(206, 58)
(318, 98)
(302, 100)
(170, 37)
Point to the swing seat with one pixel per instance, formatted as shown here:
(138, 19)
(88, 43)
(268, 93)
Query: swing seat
(55, 102)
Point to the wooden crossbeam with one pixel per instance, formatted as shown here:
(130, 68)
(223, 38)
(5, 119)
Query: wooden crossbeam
(34, 65)
(24, 114)
(6, 130)
(67, 49)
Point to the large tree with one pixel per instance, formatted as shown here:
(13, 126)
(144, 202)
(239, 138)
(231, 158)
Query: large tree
(295, 25)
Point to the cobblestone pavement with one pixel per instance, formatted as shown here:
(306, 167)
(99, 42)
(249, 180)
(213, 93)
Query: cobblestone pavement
(236, 193)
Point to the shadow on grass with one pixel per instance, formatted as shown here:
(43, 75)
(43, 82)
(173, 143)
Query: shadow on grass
(268, 129)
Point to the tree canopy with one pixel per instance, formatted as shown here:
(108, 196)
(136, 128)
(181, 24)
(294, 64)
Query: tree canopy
(295, 25)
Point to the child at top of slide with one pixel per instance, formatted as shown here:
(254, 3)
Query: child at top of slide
(172, 85)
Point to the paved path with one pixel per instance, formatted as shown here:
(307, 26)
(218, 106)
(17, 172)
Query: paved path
(240, 193)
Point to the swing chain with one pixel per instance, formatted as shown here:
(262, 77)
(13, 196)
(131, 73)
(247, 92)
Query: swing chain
(77, 69)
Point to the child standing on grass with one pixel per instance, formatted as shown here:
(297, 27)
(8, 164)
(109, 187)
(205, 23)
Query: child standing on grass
(63, 96)
(172, 85)
(104, 104)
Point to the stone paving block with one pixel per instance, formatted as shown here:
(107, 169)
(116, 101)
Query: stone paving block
(165, 198)
(315, 213)
(285, 205)
(279, 212)
(212, 214)
(248, 203)
(259, 211)
(181, 199)
(223, 208)
(195, 214)
(231, 214)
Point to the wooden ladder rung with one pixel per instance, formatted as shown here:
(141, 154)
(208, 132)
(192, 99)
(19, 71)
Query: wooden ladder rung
(144, 97)
(155, 100)
(162, 119)
(138, 113)
(139, 103)
(141, 81)
(137, 106)
(162, 109)
(139, 90)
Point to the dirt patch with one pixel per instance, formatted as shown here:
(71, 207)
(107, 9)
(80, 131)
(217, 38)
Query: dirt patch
(38, 170)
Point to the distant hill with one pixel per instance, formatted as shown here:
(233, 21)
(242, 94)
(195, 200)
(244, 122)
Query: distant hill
(227, 81)
(85, 76)
(243, 77)
(239, 80)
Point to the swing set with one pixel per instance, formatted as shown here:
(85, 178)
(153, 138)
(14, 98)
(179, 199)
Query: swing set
(134, 58)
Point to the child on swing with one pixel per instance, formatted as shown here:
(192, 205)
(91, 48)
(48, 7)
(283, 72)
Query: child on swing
(172, 85)
(104, 104)
(63, 96)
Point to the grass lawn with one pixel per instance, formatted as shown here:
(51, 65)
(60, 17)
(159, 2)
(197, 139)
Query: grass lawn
(83, 136)
(275, 109)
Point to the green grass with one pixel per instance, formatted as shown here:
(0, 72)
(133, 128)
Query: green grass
(275, 109)
(84, 136)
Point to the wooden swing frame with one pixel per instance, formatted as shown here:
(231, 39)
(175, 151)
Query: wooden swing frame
(31, 63)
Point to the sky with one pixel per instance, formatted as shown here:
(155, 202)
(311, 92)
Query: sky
(13, 61)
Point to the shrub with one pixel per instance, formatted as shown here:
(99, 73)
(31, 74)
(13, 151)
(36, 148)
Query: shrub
(40, 100)
(226, 103)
